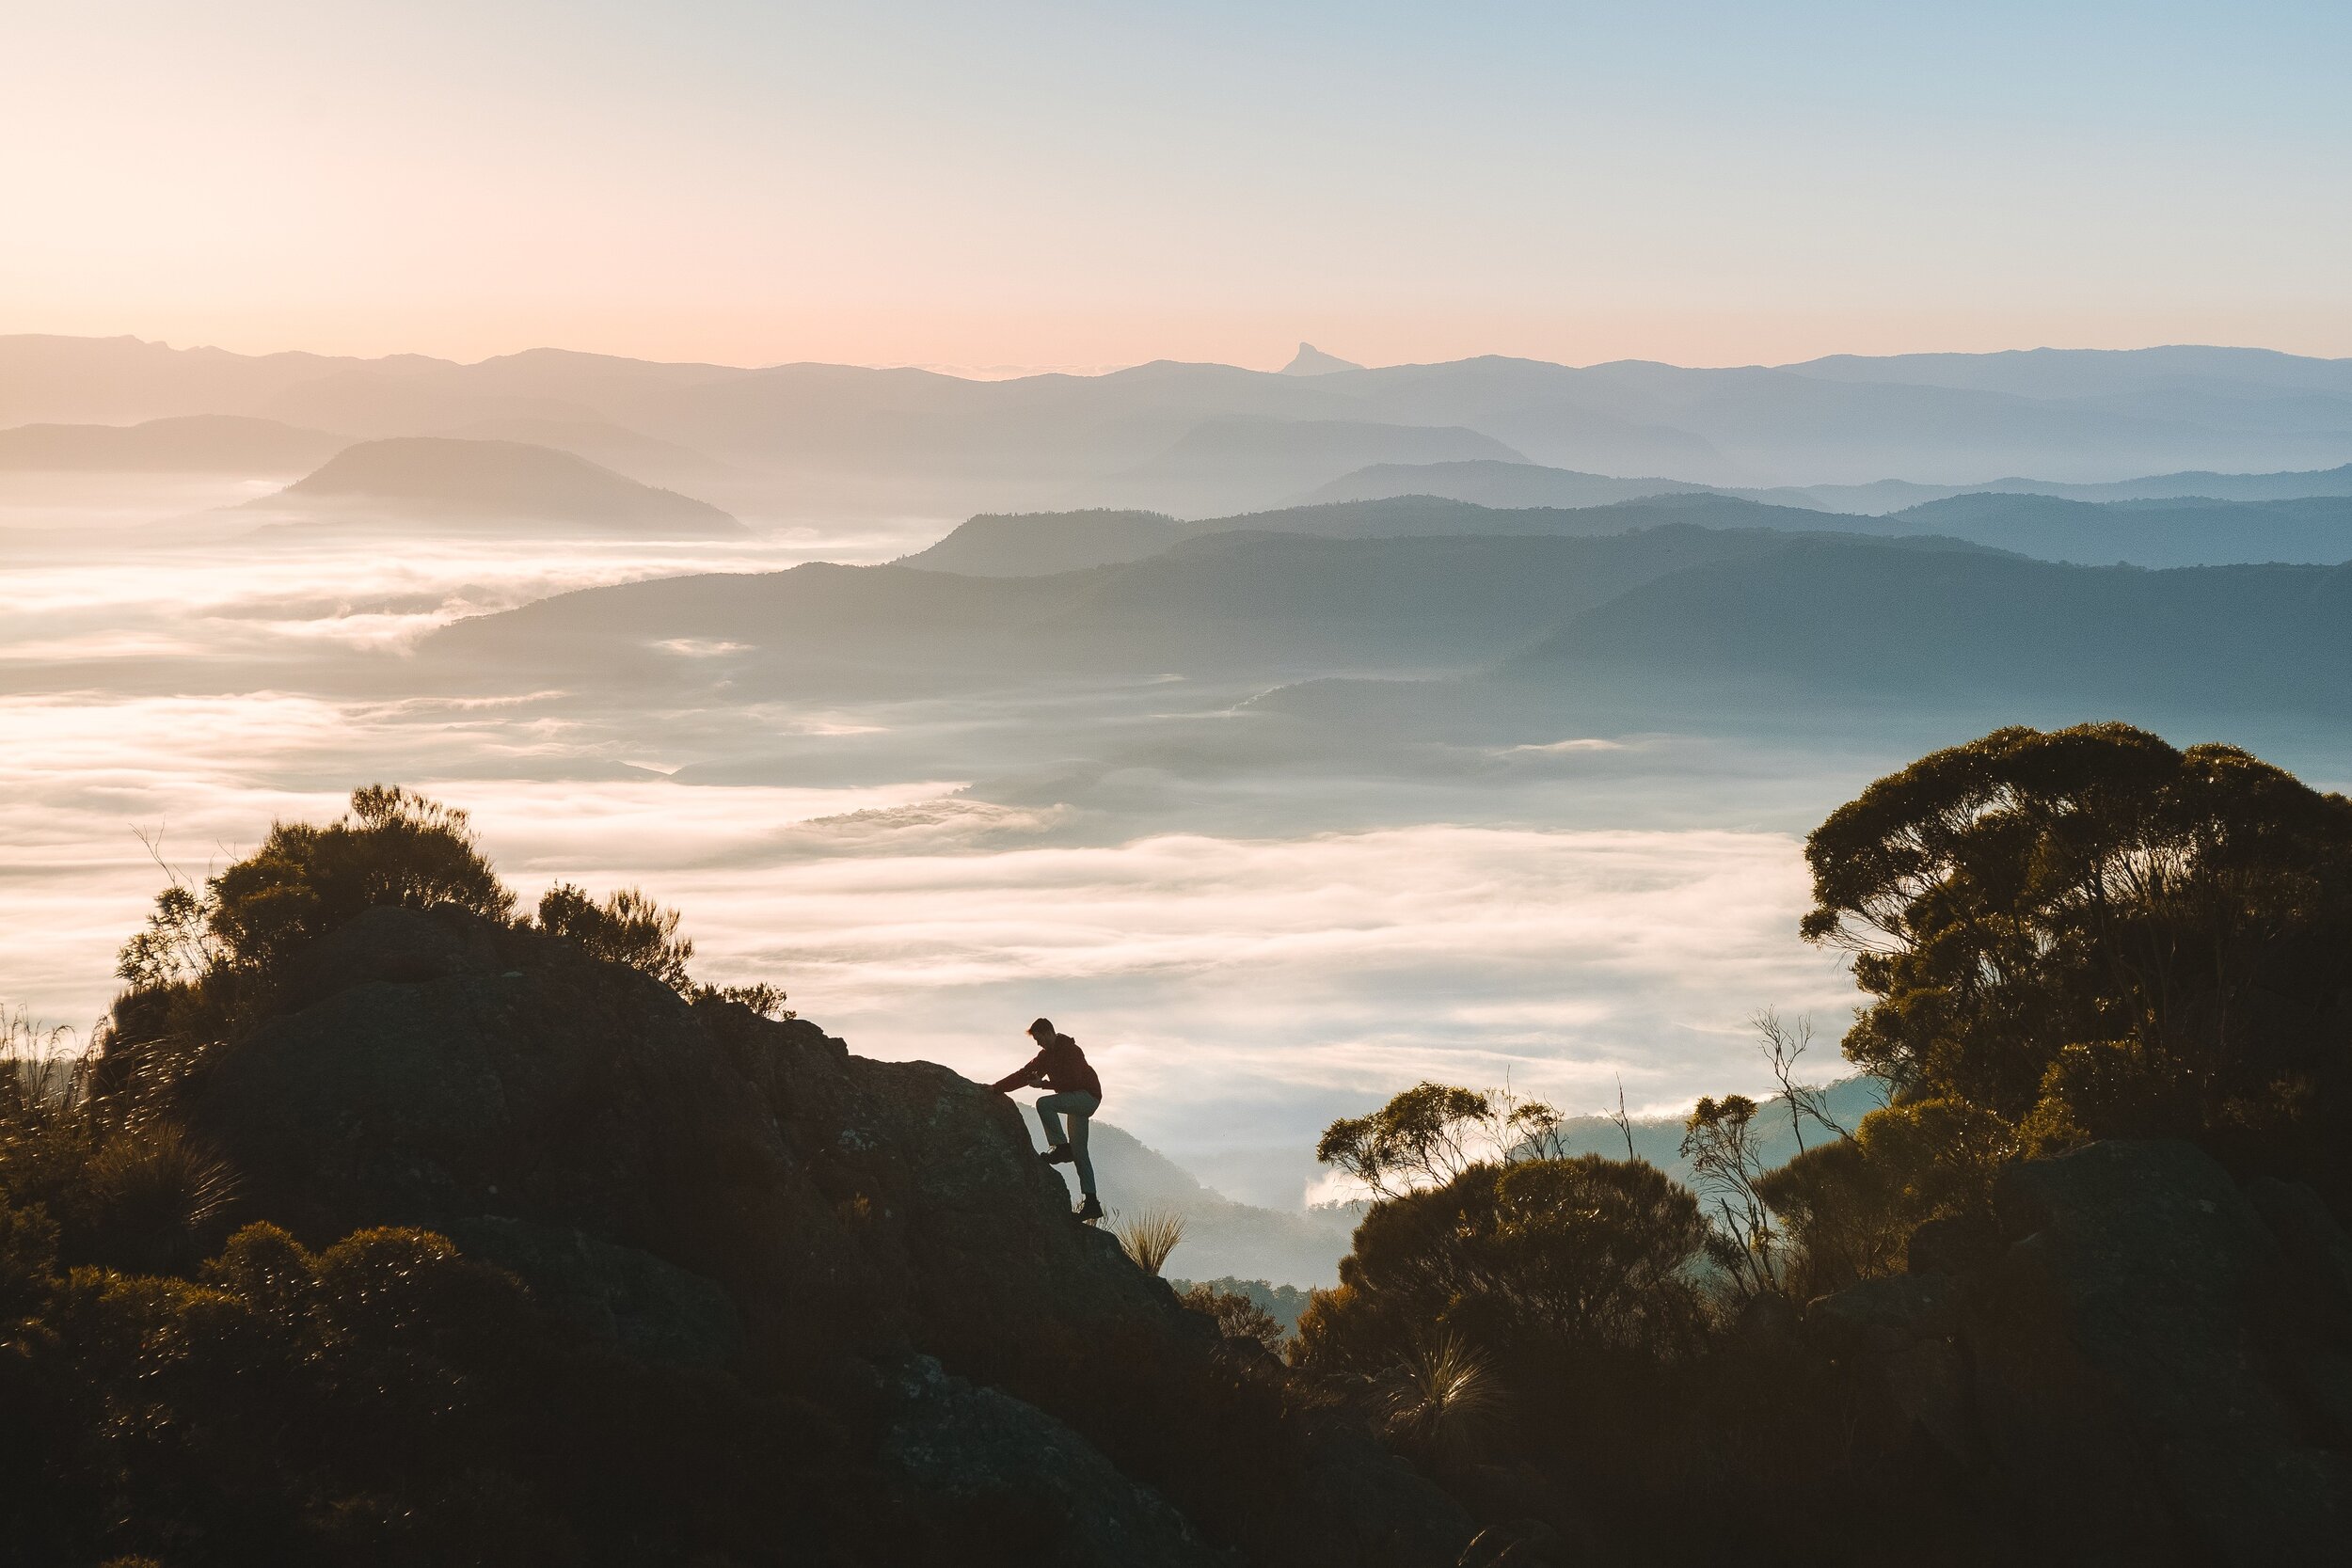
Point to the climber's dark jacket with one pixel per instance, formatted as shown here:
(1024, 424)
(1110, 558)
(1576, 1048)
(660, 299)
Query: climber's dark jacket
(1059, 1066)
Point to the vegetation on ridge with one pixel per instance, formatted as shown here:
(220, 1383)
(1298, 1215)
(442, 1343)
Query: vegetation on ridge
(2068, 936)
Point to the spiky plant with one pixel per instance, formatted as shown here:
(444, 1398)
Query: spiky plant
(162, 1193)
(1149, 1236)
(1442, 1398)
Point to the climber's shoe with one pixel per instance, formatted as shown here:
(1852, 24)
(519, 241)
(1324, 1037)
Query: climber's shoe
(1092, 1208)
(1057, 1155)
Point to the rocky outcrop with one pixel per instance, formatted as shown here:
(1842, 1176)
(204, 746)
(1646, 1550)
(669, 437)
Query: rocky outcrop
(694, 1183)
(2151, 1366)
(949, 1438)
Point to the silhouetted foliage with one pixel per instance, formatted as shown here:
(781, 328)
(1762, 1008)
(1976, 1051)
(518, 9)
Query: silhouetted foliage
(1851, 1207)
(2088, 933)
(626, 927)
(1722, 1144)
(392, 847)
(761, 998)
(1583, 1254)
(1280, 1303)
(1432, 1133)
(1236, 1316)
(381, 1401)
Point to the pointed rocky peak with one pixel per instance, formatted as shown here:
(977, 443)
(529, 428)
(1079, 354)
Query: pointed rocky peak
(1311, 360)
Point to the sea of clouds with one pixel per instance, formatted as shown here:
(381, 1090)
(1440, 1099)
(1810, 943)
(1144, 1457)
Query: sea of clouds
(1241, 975)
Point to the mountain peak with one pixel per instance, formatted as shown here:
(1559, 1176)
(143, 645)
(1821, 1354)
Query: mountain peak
(1311, 360)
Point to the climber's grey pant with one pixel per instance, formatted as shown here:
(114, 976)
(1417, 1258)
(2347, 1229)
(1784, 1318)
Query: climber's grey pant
(1077, 1107)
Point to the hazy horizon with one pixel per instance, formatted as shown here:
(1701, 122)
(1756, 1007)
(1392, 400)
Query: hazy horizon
(1262, 363)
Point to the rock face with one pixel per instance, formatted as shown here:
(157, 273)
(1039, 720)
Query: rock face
(2155, 1366)
(701, 1185)
(949, 1438)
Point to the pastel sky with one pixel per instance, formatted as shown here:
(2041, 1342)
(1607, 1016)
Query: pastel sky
(1057, 183)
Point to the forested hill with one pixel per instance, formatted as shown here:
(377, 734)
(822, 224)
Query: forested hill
(2186, 531)
(1226, 602)
(1853, 620)
(1031, 544)
(2177, 531)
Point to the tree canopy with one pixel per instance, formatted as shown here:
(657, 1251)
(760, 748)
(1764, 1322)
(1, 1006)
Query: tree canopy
(2087, 933)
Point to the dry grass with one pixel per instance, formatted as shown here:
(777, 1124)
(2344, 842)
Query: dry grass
(41, 1068)
(1443, 1399)
(1150, 1236)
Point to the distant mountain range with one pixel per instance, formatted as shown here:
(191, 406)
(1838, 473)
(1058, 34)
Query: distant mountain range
(1311, 360)
(1291, 1247)
(187, 443)
(892, 440)
(427, 481)
(1655, 620)
(1834, 623)
(1229, 461)
(1024, 543)
(2180, 532)
(1488, 483)
(1272, 604)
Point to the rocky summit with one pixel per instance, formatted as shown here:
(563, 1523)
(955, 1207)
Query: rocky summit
(697, 1185)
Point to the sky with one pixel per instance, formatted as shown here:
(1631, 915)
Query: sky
(1086, 184)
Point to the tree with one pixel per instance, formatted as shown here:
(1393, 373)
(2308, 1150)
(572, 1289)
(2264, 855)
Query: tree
(1432, 1133)
(1720, 1141)
(1541, 1257)
(2088, 933)
(1783, 1044)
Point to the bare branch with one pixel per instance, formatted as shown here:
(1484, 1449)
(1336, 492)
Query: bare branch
(1625, 1123)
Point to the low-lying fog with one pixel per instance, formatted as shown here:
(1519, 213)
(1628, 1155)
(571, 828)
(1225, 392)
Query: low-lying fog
(1248, 943)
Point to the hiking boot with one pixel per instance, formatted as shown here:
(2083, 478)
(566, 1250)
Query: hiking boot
(1057, 1155)
(1092, 1208)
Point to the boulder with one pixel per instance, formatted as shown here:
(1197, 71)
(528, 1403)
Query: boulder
(625, 1298)
(2151, 1367)
(950, 1439)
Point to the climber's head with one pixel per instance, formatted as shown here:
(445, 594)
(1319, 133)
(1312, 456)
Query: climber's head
(1041, 1031)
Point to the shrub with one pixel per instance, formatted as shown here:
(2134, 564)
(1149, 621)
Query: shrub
(1851, 1207)
(1576, 1256)
(384, 1400)
(1236, 1316)
(765, 1000)
(391, 848)
(627, 928)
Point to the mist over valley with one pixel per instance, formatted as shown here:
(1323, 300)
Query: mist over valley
(1285, 800)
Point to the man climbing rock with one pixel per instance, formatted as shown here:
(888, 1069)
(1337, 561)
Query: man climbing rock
(1062, 1068)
